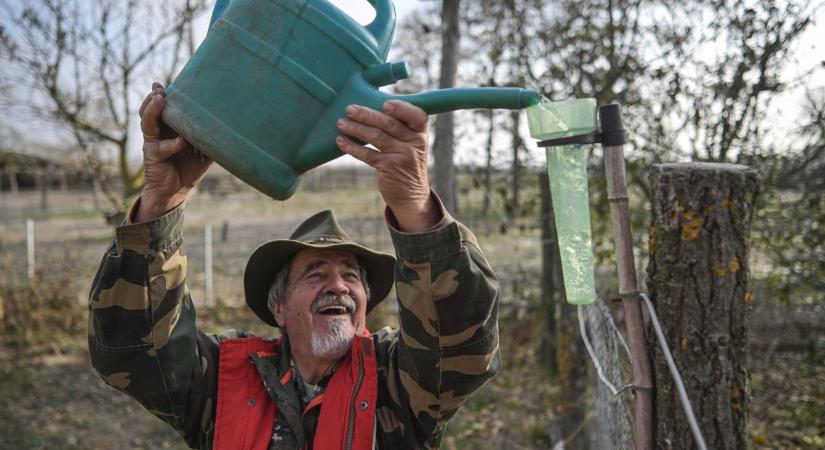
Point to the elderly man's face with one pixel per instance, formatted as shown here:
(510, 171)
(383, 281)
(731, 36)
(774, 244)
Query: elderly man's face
(325, 305)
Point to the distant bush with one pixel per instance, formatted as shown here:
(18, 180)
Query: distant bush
(43, 314)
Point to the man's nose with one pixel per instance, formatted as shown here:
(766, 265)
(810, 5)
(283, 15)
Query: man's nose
(337, 285)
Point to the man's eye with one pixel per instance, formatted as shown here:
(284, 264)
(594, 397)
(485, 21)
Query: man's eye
(352, 276)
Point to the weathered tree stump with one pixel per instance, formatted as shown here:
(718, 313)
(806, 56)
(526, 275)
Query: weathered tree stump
(698, 277)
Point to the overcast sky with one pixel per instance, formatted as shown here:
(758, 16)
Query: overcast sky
(361, 10)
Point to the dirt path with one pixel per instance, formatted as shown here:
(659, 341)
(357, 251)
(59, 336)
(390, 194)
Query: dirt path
(58, 402)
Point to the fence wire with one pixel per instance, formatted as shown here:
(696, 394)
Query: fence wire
(80, 250)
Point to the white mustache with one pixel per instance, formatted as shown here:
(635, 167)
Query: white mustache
(331, 299)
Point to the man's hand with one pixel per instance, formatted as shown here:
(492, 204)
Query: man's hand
(399, 132)
(172, 167)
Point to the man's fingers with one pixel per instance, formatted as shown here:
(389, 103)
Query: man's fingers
(359, 152)
(145, 103)
(384, 122)
(149, 113)
(168, 148)
(412, 116)
(157, 89)
(371, 135)
(150, 120)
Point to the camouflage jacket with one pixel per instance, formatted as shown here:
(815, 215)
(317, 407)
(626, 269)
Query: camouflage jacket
(143, 340)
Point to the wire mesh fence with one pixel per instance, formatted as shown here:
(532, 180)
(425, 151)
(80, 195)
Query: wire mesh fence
(68, 225)
(232, 243)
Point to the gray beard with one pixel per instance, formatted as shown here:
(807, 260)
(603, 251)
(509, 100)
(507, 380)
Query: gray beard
(335, 342)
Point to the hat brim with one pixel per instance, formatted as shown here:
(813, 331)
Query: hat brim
(268, 259)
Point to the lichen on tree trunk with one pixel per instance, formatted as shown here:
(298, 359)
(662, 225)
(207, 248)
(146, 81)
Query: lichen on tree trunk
(698, 278)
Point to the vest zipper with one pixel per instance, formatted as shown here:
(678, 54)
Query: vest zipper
(351, 420)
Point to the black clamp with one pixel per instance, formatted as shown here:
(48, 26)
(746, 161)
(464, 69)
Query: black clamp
(612, 130)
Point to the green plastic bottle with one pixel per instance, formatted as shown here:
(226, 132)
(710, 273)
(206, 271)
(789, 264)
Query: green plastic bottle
(567, 171)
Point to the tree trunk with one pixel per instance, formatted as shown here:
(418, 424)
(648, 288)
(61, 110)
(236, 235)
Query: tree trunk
(517, 142)
(488, 167)
(42, 176)
(444, 127)
(698, 276)
(132, 181)
(552, 285)
(572, 364)
(64, 181)
(13, 186)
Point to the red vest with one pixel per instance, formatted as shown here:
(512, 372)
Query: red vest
(246, 414)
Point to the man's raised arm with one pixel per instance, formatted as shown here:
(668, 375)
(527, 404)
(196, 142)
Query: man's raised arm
(142, 335)
(447, 346)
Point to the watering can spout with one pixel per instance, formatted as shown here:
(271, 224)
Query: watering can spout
(444, 100)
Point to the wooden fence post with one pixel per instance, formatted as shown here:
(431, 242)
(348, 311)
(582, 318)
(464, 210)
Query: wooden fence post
(698, 278)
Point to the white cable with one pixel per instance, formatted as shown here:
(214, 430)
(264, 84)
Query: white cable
(609, 317)
(680, 387)
(593, 357)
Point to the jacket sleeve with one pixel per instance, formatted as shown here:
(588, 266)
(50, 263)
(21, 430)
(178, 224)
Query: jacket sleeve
(447, 345)
(142, 335)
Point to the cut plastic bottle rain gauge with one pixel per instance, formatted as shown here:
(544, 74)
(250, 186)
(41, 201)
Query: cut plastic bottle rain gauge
(567, 172)
(562, 128)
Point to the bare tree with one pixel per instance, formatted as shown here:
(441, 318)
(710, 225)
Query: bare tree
(83, 66)
(417, 39)
(791, 222)
(444, 124)
(723, 105)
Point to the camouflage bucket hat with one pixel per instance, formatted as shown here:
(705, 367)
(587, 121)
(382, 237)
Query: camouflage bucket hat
(319, 231)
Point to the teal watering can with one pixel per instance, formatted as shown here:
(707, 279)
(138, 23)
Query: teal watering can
(262, 93)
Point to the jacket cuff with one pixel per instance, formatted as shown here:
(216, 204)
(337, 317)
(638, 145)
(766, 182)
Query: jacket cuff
(441, 240)
(153, 236)
(392, 221)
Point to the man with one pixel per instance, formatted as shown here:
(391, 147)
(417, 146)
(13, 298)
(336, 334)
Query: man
(327, 383)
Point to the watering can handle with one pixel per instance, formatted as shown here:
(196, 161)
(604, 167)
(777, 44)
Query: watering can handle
(383, 26)
(220, 6)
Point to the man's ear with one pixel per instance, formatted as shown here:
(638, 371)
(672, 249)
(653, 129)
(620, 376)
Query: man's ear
(278, 313)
